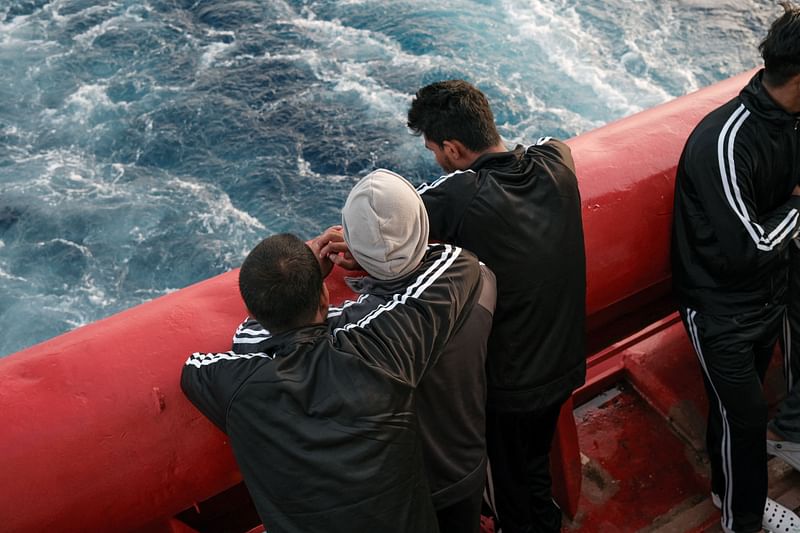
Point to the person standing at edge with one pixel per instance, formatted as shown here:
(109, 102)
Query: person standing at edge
(323, 425)
(737, 206)
(519, 211)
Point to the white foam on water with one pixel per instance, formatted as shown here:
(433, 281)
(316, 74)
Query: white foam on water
(352, 78)
(346, 57)
(37, 178)
(8, 29)
(289, 57)
(344, 44)
(80, 304)
(574, 49)
(304, 167)
(59, 177)
(95, 294)
(304, 170)
(53, 9)
(149, 294)
(115, 22)
(213, 52)
(212, 32)
(82, 249)
(90, 97)
(137, 234)
(9, 26)
(68, 310)
(217, 211)
(10, 277)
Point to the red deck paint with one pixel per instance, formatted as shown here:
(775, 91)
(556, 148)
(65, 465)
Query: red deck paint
(637, 468)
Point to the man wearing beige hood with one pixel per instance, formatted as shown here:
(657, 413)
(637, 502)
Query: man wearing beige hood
(384, 231)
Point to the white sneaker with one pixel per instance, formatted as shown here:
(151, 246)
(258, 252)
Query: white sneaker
(787, 450)
(776, 519)
(779, 519)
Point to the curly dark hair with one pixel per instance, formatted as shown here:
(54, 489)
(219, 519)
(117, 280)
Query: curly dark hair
(781, 47)
(453, 110)
(280, 282)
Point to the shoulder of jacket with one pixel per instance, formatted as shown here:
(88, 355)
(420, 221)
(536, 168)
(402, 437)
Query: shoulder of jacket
(448, 182)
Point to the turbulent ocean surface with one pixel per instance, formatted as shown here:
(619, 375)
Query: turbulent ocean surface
(148, 144)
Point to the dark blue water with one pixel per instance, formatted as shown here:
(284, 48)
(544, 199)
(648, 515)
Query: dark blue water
(148, 144)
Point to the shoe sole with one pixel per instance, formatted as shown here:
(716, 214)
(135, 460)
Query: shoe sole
(776, 519)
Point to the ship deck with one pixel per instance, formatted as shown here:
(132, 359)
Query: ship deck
(641, 473)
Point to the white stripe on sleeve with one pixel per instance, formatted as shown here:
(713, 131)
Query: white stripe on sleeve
(727, 168)
(198, 359)
(413, 291)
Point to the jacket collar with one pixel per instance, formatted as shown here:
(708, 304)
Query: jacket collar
(498, 158)
(379, 287)
(292, 337)
(758, 101)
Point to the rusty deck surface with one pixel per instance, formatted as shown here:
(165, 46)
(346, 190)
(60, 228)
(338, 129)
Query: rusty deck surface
(640, 474)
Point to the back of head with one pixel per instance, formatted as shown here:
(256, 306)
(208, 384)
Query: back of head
(385, 225)
(781, 47)
(453, 110)
(281, 282)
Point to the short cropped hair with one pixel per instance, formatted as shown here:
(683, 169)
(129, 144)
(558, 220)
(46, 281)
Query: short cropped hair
(781, 47)
(453, 110)
(280, 282)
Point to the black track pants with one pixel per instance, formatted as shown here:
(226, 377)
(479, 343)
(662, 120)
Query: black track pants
(518, 446)
(734, 352)
(787, 421)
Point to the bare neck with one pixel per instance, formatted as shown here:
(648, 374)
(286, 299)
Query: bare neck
(498, 148)
(787, 96)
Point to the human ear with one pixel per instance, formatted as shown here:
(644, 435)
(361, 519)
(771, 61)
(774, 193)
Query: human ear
(452, 149)
(324, 300)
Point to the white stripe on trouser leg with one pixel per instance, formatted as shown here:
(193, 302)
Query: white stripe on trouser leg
(488, 493)
(727, 513)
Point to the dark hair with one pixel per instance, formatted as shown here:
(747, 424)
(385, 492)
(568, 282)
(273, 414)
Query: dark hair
(781, 47)
(453, 110)
(280, 282)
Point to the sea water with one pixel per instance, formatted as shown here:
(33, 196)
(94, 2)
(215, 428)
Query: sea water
(148, 144)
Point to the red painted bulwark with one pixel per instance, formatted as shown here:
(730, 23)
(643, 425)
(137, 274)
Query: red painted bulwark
(626, 173)
(96, 432)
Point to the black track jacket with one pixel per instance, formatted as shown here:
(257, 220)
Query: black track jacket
(734, 213)
(324, 427)
(451, 398)
(520, 213)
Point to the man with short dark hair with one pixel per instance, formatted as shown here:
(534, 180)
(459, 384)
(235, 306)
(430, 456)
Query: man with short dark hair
(324, 426)
(280, 287)
(520, 212)
(737, 205)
